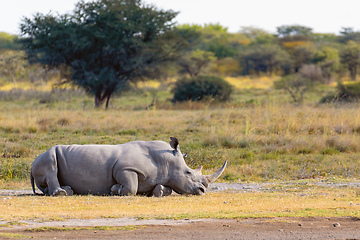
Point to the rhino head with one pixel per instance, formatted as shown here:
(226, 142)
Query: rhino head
(184, 180)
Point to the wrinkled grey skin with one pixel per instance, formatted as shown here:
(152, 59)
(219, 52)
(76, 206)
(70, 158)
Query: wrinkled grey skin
(150, 168)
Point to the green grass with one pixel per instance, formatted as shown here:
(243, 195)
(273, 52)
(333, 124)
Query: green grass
(12, 223)
(14, 235)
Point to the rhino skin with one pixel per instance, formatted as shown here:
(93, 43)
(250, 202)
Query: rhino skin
(153, 168)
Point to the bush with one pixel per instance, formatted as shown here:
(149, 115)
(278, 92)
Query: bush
(296, 85)
(201, 87)
(345, 93)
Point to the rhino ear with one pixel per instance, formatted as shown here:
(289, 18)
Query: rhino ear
(174, 143)
(198, 170)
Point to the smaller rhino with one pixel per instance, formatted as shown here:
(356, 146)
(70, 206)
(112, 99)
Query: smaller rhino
(153, 168)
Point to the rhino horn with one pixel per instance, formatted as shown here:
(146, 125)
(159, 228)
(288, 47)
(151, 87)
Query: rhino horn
(198, 170)
(216, 175)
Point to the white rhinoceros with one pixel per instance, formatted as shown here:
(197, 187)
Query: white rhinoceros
(150, 168)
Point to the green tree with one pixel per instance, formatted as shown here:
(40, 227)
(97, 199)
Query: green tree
(257, 35)
(106, 43)
(215, 38)
(350, 57)
(196, 61)
(298, 84)
(264, 58)
(302, 55)
(294, 33)
(348, 34)
(329, 61)
(295, 85)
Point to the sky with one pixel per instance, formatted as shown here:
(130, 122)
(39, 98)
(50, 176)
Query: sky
(323, 16)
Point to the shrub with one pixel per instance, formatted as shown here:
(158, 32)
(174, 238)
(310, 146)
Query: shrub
(296, 85)
(201, 87)
(345, 93)
(350, 90)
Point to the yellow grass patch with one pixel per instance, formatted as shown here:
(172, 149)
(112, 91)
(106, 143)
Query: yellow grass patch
(249, 82)
(155, 83)
(149, 84)
(310, 202)
(45, 86)
(26, 86)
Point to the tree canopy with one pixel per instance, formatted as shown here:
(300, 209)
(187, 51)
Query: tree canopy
(350, 57)
(106, 43)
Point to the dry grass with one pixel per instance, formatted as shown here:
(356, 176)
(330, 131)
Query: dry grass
(250, 82)
(263, 142)
(310, 201)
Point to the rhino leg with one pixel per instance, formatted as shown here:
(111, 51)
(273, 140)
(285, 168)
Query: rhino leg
(116, 189)
(59, 192)
(50, 186)
(53, 186)
(44, 172)
(69, 191)
(129, 181)
(161, 191)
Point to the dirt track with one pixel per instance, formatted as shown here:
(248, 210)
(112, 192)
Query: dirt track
(278, 228)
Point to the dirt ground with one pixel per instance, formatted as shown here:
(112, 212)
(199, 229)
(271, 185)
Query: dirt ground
(274, 228)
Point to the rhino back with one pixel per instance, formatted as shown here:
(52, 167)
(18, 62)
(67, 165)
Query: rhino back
(87, 168)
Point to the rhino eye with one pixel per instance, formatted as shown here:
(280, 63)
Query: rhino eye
(187, 172)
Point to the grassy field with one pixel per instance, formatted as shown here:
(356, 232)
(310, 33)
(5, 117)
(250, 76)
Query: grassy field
(262, 140)
(264, 137)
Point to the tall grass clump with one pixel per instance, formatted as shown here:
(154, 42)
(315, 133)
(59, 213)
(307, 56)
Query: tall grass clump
(14, 169)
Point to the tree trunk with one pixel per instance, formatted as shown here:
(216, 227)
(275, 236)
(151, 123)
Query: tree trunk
(353, 72)
(291, 94)
(107, 102)
(101, 98)
(98, 101)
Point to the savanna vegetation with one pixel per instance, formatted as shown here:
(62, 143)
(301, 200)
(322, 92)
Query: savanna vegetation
(290, 109)
(264, 137)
